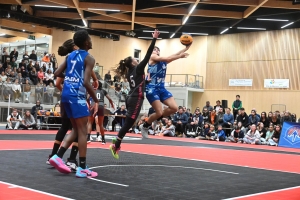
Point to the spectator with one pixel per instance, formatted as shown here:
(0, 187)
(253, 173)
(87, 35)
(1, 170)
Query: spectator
(188, 112)
(262, 131)
(46, 58)
(220, 134)
(119, 120)
(243, 118)
(270, 114)
(126, 83)
(13, 76)
(256, 112)
(210, 134)
(274, 120)
(8, 70)
(236, 105)
(96, 69)
(253, 136)
(169, 130)
(37, 66)
(27, 90)
(205, 115)
(50, 91)
(228, 121)
(14, 54)
(180, 120)
(3, 76)
(13, 120)
(208, 107)
(1, 68)
(33, 76)
(269, 135)
(117, 79)
(28, 121)
(40, 75)
(24, 72)
(264, 119)
(22, 64)
(294, 117)
(13, 64)
(220, 116)
(237, 135)
(286, 118)
(53, 61)
(124, 90)
(36, 108)
(6, 63)
(49, 67)
(107, 78)
(212, 118)
(20, 78)
(39, 89)
(4, 54)
(25, 56)
(218, 106)
(33, 56)
(29, 66)
(204, 133)
(16, 88)
(275, 138)
(8, 89)
(195, 122)
(253, 118)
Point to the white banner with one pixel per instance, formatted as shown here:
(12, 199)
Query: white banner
(277, 83)
(240, 82)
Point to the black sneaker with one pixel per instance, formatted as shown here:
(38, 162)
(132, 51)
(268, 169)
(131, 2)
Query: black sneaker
(103, 141)
(72, 164)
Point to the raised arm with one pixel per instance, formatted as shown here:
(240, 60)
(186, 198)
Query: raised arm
(141, 66)
(157, 58)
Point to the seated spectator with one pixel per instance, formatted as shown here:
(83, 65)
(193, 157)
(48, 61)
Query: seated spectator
(286, 118)
(118, 88)
(262, 131)
(204, 132)
(117, 79)
(8, 70)
(119, 120)
(195, 122)
(37, 66)
(27, 90)
(28, 121)
(33, 56)
(168, 130)
(124, 90)
(218, 106)
(14, 120)
(13, 76)
(41, 75)
(210, 134)
(24, 72)
(227, 121)
(205, 115)
(269, 135)
(22, 64)
(1, 68)
(212, 118)
(49, 77)
(13, 63)
(275, 137)
(264, 119)
(7, 90)
(50, 91)
(270, 114)
(208, 107)
(49, 67)
(220, 116)
(220, 134)
(25, 56)
(253, 136)
(294, 117)
(20, 78)
(274, 120)
(33, 76)
(46, 58)
(16, 88)
(253, 118)
(237, 135)
(29, 66)
(180, 120)
(3, 76)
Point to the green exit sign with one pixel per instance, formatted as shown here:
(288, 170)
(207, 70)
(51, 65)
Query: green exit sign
(31, 37)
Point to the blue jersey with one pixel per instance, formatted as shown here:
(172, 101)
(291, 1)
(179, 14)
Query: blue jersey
(73, 89)
(157, 74)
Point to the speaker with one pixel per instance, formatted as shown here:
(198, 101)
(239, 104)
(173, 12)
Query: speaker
(224, 103)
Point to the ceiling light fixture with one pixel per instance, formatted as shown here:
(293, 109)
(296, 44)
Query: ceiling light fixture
(277, 20)
(224, 31)
(153, 31)
(287, 25)
(2, 34)
(172, 35)
(84, 22)
(185, 20)
(248, 28)
(198, 33)
(148, 38)
(23, 30)
(111, 10)
(193, 8)
(47, 6)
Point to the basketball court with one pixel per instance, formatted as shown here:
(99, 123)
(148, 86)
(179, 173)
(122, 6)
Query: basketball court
(155, 168)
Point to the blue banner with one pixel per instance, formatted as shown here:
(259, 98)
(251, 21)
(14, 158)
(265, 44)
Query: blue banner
(290, 135)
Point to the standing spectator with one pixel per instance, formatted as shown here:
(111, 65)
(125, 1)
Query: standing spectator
(218, 106)
(253, 118)
(40, 75)
(107, 78)
(16, 88)
(96, 69)
(228, 121)
(253, 136)
(208, 107)
(28, 121)
(269, 135)
(3, 76)
(237, 135)
(53, 60)
(14, 54)
(4, 55)
(50, 92)
(236, 105)
(39, 89)
(220, 134)
(264, 119)
(119, 120)
(33, 56)
(27, 90)
(33, 76)
(180, 120)
(14, 120)
(13, 63)
(26, 56)
(275, 138)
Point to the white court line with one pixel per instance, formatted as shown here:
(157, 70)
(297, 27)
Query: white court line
(168, 166)
(33, 190)
(260, 193)
(108, 182)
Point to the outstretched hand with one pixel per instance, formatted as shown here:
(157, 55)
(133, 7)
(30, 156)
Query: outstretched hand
(184, 55)
(187, 47)
(156, 33)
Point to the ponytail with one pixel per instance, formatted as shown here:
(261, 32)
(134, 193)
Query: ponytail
(123, 66)
(66, 48)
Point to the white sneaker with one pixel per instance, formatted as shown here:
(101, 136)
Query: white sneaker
(98, 139)
(26, 99)
(16, 128)
(91, 138)
(144, 131)
(10, 128)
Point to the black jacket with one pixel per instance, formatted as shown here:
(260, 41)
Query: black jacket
(244, 119)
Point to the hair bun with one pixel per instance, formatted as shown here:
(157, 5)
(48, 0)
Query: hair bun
(62, 51)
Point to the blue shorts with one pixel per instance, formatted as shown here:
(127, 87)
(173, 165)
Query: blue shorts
(161, 94)
(76, 110)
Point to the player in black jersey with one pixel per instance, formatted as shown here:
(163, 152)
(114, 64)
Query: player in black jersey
(134, 72)
(99, 118)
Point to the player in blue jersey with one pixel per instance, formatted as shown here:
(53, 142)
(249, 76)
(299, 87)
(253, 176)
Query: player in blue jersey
(78, 68)
(155, 88)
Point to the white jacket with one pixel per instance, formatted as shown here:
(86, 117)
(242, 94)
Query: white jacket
(15, 87)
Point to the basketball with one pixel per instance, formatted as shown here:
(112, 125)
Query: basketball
(186, 39)
(47, 113)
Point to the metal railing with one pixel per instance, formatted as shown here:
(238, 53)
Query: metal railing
(184, 80)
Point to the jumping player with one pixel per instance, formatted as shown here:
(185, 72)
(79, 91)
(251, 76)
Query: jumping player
(99, 118)
(155, 88)
(78, 66)
(133, 71)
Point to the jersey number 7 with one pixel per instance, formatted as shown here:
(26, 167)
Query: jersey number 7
(73, 66)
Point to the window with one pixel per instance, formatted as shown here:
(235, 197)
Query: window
(137, 54)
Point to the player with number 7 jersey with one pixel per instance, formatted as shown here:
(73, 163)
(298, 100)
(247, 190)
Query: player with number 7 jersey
(134, 72)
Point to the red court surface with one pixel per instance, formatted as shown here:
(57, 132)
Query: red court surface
(14, 192)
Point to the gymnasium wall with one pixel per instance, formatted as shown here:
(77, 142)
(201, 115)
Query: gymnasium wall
(257, 56)
(106, 52)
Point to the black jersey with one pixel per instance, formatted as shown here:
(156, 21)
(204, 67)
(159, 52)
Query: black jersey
(100, 94)
(136, 75)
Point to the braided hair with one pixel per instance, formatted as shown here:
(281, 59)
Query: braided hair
(123, 66)
(66, 48)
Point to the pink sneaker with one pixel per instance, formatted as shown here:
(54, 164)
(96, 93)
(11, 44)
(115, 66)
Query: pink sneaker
(59, 164)
(85, 173)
